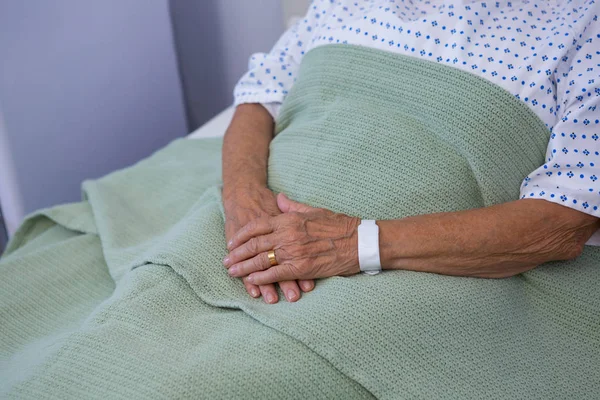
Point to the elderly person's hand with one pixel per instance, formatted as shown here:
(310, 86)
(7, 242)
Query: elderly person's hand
(244, 205)
(245, 193)
(499, 241)
(308, 242)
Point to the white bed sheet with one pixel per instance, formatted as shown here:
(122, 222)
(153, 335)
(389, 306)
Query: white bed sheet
(215, 127)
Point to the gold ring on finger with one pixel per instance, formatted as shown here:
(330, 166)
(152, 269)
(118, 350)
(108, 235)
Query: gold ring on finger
(272, 259)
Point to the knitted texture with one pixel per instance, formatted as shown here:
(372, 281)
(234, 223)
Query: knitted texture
(124, 295)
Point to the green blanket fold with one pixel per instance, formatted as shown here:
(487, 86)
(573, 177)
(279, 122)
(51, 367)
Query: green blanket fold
(124, 295)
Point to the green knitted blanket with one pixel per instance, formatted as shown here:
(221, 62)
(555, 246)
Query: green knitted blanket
(123, 295)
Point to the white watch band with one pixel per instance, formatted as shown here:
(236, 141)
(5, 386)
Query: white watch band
(368, 247)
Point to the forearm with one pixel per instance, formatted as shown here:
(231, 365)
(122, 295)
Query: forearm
(246, 148)
(490, 242)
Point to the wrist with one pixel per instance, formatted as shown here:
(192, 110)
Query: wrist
(368, 247)
(240, 187)
(352, 246)
(396, 243)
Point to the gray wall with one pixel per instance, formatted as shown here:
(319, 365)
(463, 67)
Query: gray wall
(86, 87)
(11, 203)
(214, 41)
(294, 8)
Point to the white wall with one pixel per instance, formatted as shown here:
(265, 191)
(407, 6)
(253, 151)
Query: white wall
(86, 87)
(214, 40)
(247, 27)
(294, 8)
(10, 194)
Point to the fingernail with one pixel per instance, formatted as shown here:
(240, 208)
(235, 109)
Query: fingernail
(226, 261)
(254, 292)
(233, 271)
(250, 279)
(230, 243)
(271, 298)
(291, 295)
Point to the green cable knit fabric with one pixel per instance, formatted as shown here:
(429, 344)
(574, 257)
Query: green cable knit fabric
(124, 295)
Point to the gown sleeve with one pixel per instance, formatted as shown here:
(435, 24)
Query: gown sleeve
(571, 174)
(271, 75)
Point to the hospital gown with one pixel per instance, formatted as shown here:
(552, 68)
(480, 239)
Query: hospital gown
(545, 53)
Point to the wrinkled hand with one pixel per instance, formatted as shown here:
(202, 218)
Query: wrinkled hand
(309, 243)
(243, 205)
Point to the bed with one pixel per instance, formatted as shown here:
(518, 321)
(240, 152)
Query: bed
(124, 295)
(215, 127)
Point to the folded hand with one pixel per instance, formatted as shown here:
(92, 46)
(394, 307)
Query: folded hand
(244, 205)
(309, 243)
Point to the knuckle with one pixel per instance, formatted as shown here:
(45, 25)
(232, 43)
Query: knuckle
(250, 226)
(253, 245)
(296, 234)
(574, 251)
(297, 251)
(289, 252)
(302, 265)
(293, 218)
(258, 264)
(277, 274)
(263, 223)
(298, 218)
(298, 270)
(264, 242)
(578, 245)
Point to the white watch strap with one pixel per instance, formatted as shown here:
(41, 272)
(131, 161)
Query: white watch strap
(368, 247)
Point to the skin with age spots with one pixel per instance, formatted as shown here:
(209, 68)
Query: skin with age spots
(307, 240)
(245, 193)
(491, 242)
